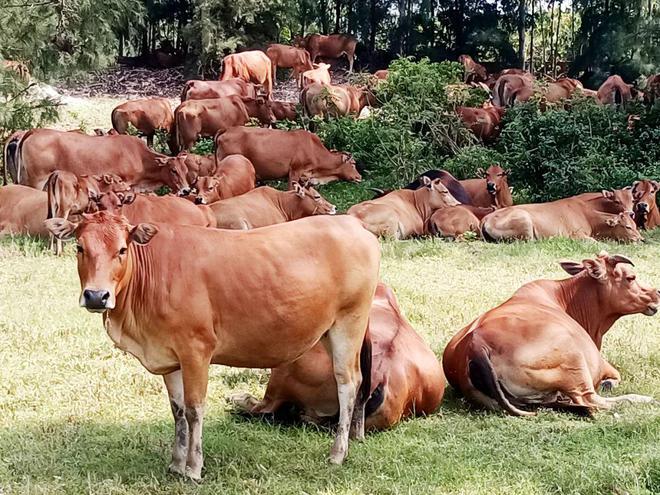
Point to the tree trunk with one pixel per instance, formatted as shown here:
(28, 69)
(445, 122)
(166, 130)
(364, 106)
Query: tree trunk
(521, 33)
(531, 39)
(372, 27)
(554, 56)
(337, 16)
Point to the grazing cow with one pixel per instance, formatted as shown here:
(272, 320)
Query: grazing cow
(562, 89)
(492, 190)
(138, 208)
(234, 176)
(614, 91)
(204, 90)
(652, 89)
(541, 347)
(284, 110)
(204, 118)
(473, 71)
(483, 122)
(334, 101)
(9, 153)
(251, 66)
(147, 116)
(330, 46)
(382, 74)
(267, 206)
(645, 206)
(23, 211)
(512, 88)
(406, 377)
(42, 151)
(18, 67)
(278, 154)
(319, 75)
(195, 165)
(605, 215)
(289, 57)
(177, 313)
(403, 213)
(449, 181)
(455, 221)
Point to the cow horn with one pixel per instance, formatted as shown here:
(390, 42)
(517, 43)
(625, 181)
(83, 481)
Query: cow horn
(619, 258)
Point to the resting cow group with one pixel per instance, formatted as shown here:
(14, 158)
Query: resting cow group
(290, 285)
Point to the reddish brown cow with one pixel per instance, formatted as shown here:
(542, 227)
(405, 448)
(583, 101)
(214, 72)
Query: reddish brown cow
(147, 116)
(267, 206)
(284, 110)
(204, 90)
(646, 211)
(330, 46)
(278, 154)
(483, 122)
(178, 315)
(382, 74)
(234, 176)
(289, 57)
(474, 72)
(195, 165)
(541, 348)
(204, 118)
(403, 213)
(614, 91)
(562, 89)
(652, 89)
(455, 221)
(319, 75)
(512, 88)
(406, 377)
(251, 66)
(23, 211)
(605, 215)
(334, 101)
(42, 151)
(492, 190)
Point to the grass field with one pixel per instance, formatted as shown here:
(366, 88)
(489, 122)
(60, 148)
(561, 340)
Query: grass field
(78, 416)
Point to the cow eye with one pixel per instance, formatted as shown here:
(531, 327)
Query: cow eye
(122, 251)
(317, 198)
(79, 249)
(631, 278)
(173, 172)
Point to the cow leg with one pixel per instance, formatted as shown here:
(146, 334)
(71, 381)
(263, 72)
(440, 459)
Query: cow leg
(174, 385)
(150, 140)
(195, 381)
(350, 58)
(610, 377)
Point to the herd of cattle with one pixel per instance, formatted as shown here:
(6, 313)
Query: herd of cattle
(260, 286)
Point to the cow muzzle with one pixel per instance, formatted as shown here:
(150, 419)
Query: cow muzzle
(184, 191)
(200, 201)
(642, 207)
(491, 188)
(96, 301)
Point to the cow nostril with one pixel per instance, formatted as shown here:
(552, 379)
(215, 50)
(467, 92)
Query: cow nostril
(199, 201)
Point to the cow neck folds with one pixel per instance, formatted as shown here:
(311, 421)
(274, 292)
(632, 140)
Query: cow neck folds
(579, 297)
(421, 202)
(502, 198)
(284, 203)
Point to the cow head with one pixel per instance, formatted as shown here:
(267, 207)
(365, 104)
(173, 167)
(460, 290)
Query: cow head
(496, 179)
(621, 199)
(207, 190)
(643, 193)
(622, 227)
(618, 288)
(174, 174)
(439, 196)
(104, 240)
(347, 169)
(309, 202)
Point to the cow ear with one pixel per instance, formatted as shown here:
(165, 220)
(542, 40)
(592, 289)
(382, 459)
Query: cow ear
(612, 222)
(571, 267)
(97, 178)
(108, 179)
(426, 181)
(161, 161)
(142, 233)
(61, 228)
(298, 189)
(607, 194)
(656, 185)
(507, 171)
(127, 198)
(480, 172)
(595, 268)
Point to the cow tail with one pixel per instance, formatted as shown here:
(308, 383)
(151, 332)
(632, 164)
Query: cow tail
(18, 157)
(499, 92)
(303, 101)
(6, 153)
(484, 378)
(115, 122)
(365, 370)
(618, 97)
(49, 187)
(484, 233)
(177, 130)
(186, 88)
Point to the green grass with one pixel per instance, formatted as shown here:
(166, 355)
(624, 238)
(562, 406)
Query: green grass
(79, 416)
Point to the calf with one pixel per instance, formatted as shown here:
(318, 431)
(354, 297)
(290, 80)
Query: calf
(562, 89)
(473, 71)
(483, 122)
(449, 181)
(267, 206)
(252, 66)
(382, 74)
(204, 118)
(492, 190)
(330, 46)
(278, 154)
(334, 101)
(234, 176)
(23, 211)
(455, 221)
(404, 213)
(284, 110)
(406, 377)
(147, 116)
(512, 88)
(289, 57)
(196, 165)
(652, 89)
(204, 90)
(645, 206)
(614, 91)
(319, 75)
(541, 348)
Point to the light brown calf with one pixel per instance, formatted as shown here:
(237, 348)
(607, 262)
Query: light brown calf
(455, 221)
(492, 190)
(334, 101)
(646, 211)
(284, 110)
(562, 89)
(23, 211)
(512, 88)
(252, 66)
(234, 176)
(483, 122)
(147, 116)
(289, 57)
(330, 46)
(319, 75)
(474, 72)
(614, 91)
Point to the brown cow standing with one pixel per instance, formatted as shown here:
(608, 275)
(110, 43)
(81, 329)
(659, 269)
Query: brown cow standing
(455, 221)
(267, 206)
(614, 91)
(541, 348)
(234, 176)
(177, 313)
(252, 66)
(289, 57)
(605, 215)
(278, 154)
(512, 88)
(406, 377)
(284, 110)
(42, 151)
(474, 72)
(318, 75)
(147, 116)
(204, 90)
(483, 122)
(334, 101)
(652, 89)
(492, 190)
(646, 211)
(403, 213)
(330, 46)
(204, 118)
(23, 211)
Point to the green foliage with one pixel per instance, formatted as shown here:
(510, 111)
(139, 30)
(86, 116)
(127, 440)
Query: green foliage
(466, 162)
(204, 146)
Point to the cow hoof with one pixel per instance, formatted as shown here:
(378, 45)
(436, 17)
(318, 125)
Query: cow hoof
(177, 469)
(244, 401)
(337, 458)
(193, 475)
(607, 385)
